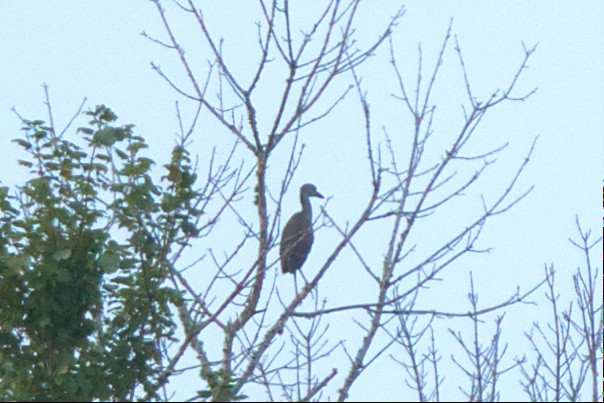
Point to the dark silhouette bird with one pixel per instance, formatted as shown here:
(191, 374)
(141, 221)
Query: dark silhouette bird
(297, 236)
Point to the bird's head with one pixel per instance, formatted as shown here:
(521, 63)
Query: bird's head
(310, 190)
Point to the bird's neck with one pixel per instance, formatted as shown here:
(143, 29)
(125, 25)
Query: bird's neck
(306, 208)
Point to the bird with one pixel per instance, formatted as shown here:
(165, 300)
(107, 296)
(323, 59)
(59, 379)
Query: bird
(297, 236)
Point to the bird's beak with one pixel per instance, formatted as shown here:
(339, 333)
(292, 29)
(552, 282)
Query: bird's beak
(319, 195)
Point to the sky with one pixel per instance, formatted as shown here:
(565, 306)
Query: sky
(95, 50)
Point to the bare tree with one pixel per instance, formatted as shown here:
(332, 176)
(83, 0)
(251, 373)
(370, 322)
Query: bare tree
(404, 190)
(568, 349)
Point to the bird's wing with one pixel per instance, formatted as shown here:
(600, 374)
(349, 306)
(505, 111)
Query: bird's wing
(296, 241)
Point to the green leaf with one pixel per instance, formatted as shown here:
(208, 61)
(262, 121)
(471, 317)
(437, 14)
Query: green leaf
(25, 163)
(19, 261)
(107, 136)
(23, 143)
(63, 276)
(122, 154)
(100, 167)
(109, 262)
(107, 114)
(53, 166)
(40, 134)
(103, 157)
(124, 280)
(62, 254)
(189, 228)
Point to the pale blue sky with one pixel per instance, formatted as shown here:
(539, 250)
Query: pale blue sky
(95, 50)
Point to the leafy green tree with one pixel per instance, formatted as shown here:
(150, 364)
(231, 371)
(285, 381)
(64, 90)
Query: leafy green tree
(83, 263)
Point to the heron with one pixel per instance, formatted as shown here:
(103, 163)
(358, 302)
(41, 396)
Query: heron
(297, 236)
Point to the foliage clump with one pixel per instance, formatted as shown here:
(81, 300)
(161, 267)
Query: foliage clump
(83, 262)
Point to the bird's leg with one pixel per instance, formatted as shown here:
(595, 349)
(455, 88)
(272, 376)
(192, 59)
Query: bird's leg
(296, 283)
(305, 280)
